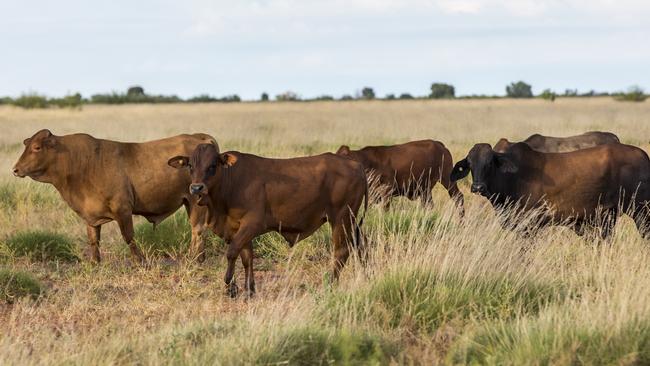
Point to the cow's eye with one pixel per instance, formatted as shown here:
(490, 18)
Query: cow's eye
(37, 148)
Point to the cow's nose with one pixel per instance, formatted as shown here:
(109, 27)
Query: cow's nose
(479, 188)
(196, 188)
(15, 170)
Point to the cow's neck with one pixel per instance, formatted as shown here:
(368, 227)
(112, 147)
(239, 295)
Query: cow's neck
(223, 193)
(70, 175)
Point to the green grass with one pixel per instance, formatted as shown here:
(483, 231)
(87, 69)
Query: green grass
(561, 343)
(169, 238)
(15, 285)
(425, 300)
(318, 346)
(42, 246)
(32, 193)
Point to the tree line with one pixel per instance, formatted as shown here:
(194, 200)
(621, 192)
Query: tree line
(438, 90)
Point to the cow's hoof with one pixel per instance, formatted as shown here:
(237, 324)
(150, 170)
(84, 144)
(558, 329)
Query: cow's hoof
(233, 290)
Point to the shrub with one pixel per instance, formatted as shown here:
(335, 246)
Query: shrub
(30, 101)
(42, 246)
(519, 90)
(633, 94)
(324, 97)
(14, 285)
(367, 93)
(68, 101)
(390, 97)
(442, 91)
(203, 98)
(6, 100)
(571, 92)
(264, 97)
(287, 96)
(406, 96)
(347, 97)
(548, 94)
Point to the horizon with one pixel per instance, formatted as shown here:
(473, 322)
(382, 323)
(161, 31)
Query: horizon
(315, 48)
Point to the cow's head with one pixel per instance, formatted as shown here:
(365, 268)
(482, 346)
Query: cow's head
(40, 153)
(203, 166)
(502, 145)
(483, 162)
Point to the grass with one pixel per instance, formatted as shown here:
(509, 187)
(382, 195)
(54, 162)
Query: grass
(434, 289)
(42, 246)
(15, 285)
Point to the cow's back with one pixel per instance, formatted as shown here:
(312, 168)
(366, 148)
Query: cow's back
(407, 163)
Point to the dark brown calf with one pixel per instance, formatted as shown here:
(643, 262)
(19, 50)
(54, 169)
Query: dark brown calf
(248, 195)
(410, 169)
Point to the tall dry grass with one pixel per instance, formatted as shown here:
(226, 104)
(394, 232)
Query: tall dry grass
(435, 289)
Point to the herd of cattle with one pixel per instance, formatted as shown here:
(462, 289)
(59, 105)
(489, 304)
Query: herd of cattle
(240, 196)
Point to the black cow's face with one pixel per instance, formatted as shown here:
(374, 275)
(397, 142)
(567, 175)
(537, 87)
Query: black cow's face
(203, 165)
(38, 156)
(483, 162)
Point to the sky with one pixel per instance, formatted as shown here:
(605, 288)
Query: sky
(313, 48)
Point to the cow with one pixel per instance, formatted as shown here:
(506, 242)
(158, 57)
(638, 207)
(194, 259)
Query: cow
(103, 180)
(410, 169)
(550, 144)
(249, 195)
(577, 188)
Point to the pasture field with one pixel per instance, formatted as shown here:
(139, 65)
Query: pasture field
(435, 289)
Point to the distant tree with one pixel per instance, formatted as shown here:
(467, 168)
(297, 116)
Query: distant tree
(230, 98)
(519, 90)
(135, 91)
(442, 91)
(367, 93)
(324, 97)
(633, 94)
(390, 97)
(287, 96)
(264, 97)
(203, 98)
(347, 97)
(548, 94)
(570, 92)
(405, 96)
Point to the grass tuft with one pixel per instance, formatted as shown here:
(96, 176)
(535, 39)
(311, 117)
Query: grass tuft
(15, 285)
(42, 246)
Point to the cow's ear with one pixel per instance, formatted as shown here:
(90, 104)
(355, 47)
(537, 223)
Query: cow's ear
(179, 162)
(227, 159)
(343, 150)
(26, 141)
(505, 163)
(460, 171)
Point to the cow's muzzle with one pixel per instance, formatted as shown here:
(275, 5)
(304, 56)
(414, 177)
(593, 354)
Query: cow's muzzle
(197, 188)
(479, 188)
(17, 173)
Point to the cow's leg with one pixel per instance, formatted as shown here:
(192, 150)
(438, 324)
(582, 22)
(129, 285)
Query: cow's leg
(197, 215)
(92, 252)
(247, 260)
(244, 235)
(125, 222)
(341, 240)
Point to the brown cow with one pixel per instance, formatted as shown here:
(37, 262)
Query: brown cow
(104, 180)
(550, 144)
(248, 196)
(576, 187)
(410, 169)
